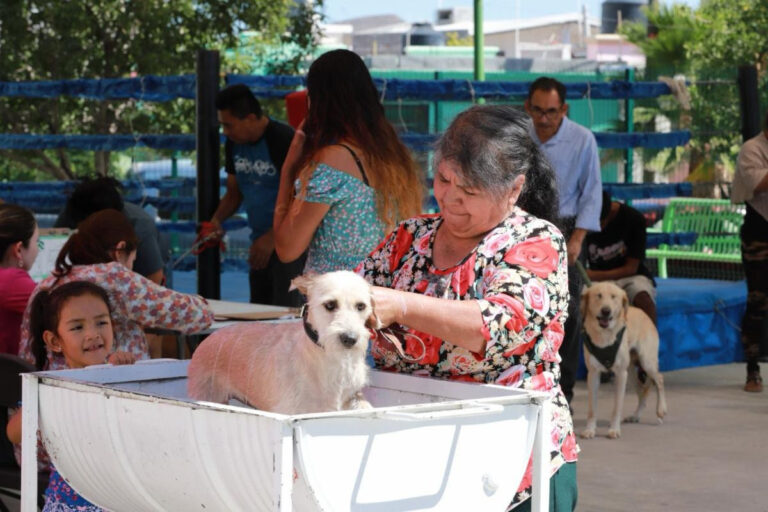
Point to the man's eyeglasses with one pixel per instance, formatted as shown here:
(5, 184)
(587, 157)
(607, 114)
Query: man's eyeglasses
(549, 113)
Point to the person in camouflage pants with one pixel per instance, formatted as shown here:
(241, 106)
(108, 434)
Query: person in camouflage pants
(750, 185)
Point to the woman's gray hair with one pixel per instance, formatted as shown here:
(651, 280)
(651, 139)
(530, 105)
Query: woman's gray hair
(491, 146)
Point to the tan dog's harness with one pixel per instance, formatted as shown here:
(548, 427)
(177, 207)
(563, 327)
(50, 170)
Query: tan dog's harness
(605, 355)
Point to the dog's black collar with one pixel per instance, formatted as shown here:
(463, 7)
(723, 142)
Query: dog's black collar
(311, 331)
(605, 355)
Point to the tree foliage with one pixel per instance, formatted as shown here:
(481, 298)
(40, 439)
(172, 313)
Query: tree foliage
(68, 39)
(707, 45)
(733, 35)
(665, 51)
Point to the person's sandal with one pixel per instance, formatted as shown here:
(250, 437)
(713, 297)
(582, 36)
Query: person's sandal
(754, 383)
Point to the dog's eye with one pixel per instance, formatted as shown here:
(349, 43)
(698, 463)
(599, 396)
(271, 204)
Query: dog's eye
(360, 306)
(599, 295)
(331, 305)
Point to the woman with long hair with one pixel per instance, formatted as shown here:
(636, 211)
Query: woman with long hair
(18, 251)
(102, 251)
(347, 178)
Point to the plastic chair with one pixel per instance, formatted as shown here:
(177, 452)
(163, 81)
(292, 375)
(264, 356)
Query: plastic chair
(10, 395)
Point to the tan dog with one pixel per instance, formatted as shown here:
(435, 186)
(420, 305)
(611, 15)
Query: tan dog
(278, 367)
(608, 318)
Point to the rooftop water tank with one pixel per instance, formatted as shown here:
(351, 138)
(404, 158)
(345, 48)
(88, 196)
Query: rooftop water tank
(423, 34)
(631, 10)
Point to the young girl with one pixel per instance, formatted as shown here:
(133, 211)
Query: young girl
(73, 320)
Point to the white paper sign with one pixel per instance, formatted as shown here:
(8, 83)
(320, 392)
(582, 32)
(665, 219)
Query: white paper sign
(51, 242)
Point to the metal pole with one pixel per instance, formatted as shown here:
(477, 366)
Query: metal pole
(208, 263)
(750, 102)
(629, 127)
(479, 53)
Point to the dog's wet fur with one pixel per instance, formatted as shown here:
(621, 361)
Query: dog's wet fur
(276, 367)
(605, 310)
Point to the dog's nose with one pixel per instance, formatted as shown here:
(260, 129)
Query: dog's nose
(605, 311)
(347, 340)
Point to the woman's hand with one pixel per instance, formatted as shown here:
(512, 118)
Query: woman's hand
(121, 357)
(389, 306)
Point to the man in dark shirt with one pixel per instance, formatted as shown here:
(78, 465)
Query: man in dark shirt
(255, 151)
(617, 253)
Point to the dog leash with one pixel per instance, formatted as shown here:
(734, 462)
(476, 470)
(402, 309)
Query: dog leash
(583, 273)
(192, 249)
(392, 335)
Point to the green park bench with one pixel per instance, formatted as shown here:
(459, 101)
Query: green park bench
(715, 221)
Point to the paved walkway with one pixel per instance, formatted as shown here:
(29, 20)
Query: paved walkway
(709, 455)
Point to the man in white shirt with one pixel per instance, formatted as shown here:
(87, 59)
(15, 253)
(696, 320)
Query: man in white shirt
(572, 151)
(750, 185)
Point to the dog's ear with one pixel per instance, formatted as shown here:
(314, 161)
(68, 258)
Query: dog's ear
(302, 283)
(584, 302)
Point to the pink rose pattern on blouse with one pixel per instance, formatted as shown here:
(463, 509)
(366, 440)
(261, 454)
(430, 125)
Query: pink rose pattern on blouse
(136, 303)
(518, 275)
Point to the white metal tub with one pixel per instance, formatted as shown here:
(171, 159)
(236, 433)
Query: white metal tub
(128, 439)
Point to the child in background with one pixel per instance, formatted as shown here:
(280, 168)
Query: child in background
(18, 250)
(73, 320)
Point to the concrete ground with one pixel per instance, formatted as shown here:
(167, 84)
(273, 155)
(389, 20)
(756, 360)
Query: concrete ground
(709, 454)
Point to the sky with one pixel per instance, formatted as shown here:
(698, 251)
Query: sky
(424, 10)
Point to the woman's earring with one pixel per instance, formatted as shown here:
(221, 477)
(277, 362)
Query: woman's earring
(21, 264)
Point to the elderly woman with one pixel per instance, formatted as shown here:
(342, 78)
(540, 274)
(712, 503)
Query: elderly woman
(484, 283)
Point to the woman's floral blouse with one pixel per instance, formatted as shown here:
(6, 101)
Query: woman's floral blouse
(136, 303)
(518, 276)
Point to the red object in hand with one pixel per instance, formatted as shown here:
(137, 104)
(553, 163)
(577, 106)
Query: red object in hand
(296, 107)
(208, 235)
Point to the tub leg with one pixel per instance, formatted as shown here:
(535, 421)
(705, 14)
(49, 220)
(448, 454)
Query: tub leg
(283, 471)
(29, 426)
(540, 483)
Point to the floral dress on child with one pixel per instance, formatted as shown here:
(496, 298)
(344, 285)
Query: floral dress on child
(518, 276)
(350, 229)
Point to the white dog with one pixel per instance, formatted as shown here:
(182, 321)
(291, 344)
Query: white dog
(314, 365)
(609, 321)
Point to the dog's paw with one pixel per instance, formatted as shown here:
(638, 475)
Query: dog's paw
(632, 419)
(587, 433)
(659, 420)
(614, 433)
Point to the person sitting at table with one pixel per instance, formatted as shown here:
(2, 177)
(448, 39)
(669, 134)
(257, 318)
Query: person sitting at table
(617, 253)
(347, 178)
(19, 237)
(483, 284)
(102, 251)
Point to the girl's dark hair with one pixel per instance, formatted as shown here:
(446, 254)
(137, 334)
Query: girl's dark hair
(45, 312)
(95, 241)
(344, 104)
(491, 146)
(17, 224)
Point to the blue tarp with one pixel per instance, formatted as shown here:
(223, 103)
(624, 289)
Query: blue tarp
(463, 90)
(146, 88)
(682, 238)
(97, 142)
(417, 142)
(164, 88)
(625, 191)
